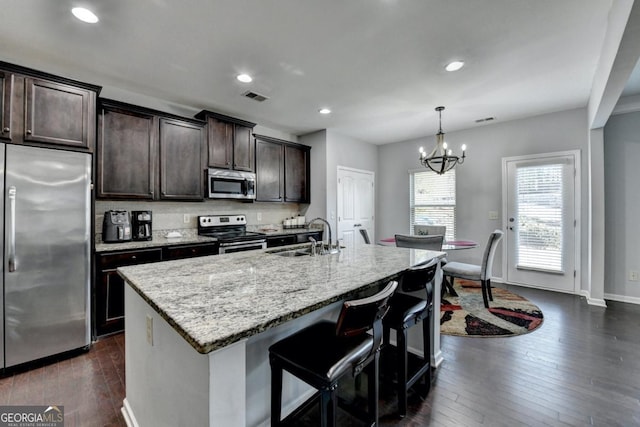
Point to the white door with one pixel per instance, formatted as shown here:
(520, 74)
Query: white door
(541, 234)
(356, 205)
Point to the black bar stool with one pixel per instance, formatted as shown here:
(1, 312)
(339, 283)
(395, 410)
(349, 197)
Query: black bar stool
(406, 311)
(325, 352)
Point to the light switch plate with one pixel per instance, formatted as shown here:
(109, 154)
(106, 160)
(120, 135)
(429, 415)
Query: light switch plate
(493, 214)
(634, 276)
(259, 216)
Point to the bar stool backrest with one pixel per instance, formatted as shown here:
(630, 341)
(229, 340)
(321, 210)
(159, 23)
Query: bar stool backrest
(420, 277)
(359, 316)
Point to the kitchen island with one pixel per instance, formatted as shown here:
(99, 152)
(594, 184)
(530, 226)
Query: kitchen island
(198, 330)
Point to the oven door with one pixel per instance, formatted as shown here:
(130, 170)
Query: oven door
(247, 245)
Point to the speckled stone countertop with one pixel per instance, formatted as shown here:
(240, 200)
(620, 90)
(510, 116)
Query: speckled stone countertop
(217, 300)
(189, 236)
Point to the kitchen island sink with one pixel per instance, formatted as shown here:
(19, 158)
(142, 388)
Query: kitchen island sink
(198, 330)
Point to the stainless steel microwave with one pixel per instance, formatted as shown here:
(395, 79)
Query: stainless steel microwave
(229, 184)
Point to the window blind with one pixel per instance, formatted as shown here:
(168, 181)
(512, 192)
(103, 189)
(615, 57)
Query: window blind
(540, 195)
(433, 200)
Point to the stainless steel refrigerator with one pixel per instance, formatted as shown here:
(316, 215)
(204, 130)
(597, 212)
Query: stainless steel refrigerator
(46, 212)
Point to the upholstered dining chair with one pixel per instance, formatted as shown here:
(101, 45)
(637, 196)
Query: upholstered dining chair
(481, 273)
(428, 230)
(429, 242)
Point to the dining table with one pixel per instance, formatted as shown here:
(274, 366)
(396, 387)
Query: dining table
(450, 245)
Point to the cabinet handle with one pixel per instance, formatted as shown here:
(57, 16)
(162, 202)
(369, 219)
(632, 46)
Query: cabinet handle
(29, 132)
(6, 130)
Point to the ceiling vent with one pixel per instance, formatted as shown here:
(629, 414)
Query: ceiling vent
(487, 119)
(255, 96)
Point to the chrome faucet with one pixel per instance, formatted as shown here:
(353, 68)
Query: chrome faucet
(329, 244)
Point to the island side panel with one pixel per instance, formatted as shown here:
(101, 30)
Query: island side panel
(167, 382)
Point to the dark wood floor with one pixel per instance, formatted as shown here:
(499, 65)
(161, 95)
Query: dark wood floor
(580, 368)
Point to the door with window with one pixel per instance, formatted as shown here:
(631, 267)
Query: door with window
(356, 205)
(540, 207)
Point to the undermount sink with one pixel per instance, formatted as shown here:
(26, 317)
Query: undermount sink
(303, 252)
(292, 253)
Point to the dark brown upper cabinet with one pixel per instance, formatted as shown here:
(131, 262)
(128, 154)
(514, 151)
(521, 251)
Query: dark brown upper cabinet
(282, 171)
(181, 159)
(269, 170)
(147, 154)
(296, 173)
(45, 110)
(230, 143)
(6, 94)
(58, 114)
(127, 152)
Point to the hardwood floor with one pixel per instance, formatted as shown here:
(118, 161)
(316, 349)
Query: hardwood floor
(89, 386)
(580, 368)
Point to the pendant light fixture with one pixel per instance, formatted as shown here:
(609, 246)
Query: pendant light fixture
(441, 159)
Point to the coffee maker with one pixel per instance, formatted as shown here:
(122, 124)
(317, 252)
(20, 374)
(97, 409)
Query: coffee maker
(141, 224)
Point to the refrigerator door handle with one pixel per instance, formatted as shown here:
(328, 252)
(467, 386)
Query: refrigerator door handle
(12, 229)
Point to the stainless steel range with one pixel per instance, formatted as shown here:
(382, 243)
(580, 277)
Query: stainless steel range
(231, 232)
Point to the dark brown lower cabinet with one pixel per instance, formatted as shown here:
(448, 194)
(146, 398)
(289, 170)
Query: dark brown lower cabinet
(108, 295)
(291, 239)
(109, 287)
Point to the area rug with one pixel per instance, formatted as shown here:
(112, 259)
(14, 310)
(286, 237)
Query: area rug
(508, 314)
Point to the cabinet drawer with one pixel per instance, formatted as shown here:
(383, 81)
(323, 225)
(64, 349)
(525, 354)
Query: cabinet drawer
(188, 251)
(289, 239)
(119, 259)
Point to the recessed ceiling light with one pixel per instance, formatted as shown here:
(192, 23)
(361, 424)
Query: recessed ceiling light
(244, 78)
(324, 111)
(454, 65)
(85, 15)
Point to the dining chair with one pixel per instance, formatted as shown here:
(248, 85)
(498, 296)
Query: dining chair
(428, 230)
(429, 242)
(365, 236)
(481, 273)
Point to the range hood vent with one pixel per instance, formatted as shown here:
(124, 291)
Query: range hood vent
(255, 96)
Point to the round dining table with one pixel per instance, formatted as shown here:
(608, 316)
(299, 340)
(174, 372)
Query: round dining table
(451, 245)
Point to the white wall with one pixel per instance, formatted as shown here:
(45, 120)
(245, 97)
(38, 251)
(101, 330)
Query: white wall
(622, 206)
(479, 179)
(330, 150)
(318, 143)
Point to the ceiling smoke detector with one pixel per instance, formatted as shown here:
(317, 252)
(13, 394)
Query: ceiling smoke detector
(255, 96)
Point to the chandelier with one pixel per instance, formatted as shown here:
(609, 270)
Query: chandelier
(441, 159)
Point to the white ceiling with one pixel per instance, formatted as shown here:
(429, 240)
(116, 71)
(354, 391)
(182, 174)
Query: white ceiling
(378, 64)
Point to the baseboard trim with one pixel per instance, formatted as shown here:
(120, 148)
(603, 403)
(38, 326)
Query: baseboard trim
(127, 413)
(622, 298)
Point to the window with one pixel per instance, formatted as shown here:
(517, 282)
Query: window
(433, 200)
(540, 206)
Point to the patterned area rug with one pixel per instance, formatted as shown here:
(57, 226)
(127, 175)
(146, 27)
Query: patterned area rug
(508, 314)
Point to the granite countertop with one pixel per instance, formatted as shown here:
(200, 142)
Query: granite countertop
(214, 301)
(189, 236)
(157, 241)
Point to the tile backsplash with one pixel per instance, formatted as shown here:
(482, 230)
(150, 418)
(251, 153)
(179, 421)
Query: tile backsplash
(183, 215)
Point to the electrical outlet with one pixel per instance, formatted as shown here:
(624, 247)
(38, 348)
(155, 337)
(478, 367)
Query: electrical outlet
(150, 330)
(493, 214)
(634, 276)
(259, 216)
(185, 218)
